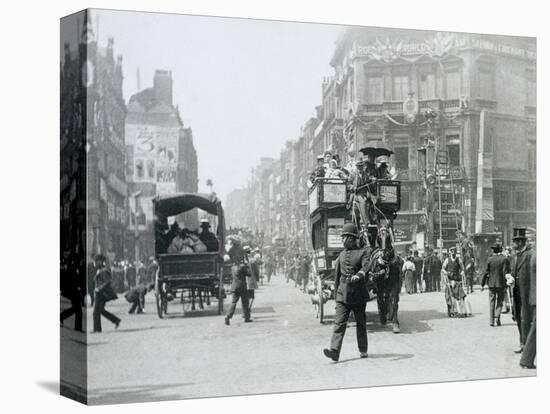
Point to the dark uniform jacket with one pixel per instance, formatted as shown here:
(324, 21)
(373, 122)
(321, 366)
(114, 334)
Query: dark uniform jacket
(498, 266)
(351, 262)
(521, 271)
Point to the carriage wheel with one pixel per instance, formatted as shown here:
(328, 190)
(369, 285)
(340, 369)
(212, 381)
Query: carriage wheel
(321, 300)
(160, 296)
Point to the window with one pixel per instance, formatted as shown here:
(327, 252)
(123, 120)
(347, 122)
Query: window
(400, 87)
(452, 82)
(531, 90)
(401, 155)
(486, 85)
(519, 200)
(454, 155)
(427, 86)
(405, 199)
(501, 200)
(530, 203)
(532, 159)
(375, 90)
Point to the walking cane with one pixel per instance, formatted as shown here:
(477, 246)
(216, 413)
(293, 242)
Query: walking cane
(511, 295)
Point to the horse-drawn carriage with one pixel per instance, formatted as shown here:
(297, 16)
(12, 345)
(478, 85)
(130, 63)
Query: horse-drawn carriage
(188, 275)
(371, 203)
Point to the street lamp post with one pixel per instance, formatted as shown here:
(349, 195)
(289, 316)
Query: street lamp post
(136, 196)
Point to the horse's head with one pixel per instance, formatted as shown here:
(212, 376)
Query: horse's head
(383, 239)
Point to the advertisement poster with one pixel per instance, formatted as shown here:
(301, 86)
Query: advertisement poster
(334, 193)
(143, 138)
(334, 233)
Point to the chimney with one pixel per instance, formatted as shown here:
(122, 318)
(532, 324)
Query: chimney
(162, 84)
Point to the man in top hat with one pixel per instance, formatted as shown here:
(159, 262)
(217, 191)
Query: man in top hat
(498, 266)
(351, 293)
(522, 270)
(208, 238)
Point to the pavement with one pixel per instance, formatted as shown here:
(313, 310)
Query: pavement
(195, 355)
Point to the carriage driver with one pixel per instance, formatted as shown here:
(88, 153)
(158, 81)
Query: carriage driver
(351, 292)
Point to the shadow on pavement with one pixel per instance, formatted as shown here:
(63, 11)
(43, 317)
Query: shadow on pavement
(50, 386)
(141, 329)
(392, 357)
(133, 394)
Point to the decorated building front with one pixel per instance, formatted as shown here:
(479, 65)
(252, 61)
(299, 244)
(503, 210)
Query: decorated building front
(445, 103)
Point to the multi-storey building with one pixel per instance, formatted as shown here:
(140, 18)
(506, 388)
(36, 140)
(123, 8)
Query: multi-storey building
(459, 112)
(93, 187)
(481, 91)
(161, 158)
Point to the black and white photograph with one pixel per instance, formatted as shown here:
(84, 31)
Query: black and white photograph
(275, 184)
(276, 210)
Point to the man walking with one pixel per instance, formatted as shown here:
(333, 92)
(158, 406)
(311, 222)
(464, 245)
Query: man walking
(498, 266)
(351, 293)
(103, 293)
(418, 264)
(530, 348)
(71, 289)
(240, 269)
(521, 272)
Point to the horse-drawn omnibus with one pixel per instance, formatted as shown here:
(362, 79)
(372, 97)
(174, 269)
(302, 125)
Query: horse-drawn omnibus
(328, 213)
(187, 274)
(372, 207)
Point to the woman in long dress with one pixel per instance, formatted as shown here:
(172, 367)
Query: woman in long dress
(408, 271)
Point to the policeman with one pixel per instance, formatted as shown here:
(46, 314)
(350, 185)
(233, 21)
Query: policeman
(351, 293)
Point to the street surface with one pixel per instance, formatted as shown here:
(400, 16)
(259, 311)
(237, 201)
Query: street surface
(196, 355)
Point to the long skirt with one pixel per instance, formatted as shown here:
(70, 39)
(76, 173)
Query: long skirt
(409, 281)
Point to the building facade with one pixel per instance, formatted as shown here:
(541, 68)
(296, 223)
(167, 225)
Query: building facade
(476, 115)
(459, 112)
(92, 147)
(160, 158)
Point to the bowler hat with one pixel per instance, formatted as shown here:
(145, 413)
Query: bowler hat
(519, 233)
(350, 229)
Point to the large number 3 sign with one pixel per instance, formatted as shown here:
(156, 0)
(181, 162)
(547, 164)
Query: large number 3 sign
(145, 144)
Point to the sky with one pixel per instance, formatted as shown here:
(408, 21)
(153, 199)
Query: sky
(245, 87)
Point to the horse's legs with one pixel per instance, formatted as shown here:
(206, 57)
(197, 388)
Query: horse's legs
(382, 301)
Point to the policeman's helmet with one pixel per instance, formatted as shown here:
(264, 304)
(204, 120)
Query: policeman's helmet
(350, 229)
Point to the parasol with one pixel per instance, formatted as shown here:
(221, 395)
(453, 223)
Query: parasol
(376, 148)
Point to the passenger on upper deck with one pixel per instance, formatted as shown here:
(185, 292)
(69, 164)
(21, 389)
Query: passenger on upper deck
(382, 169)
